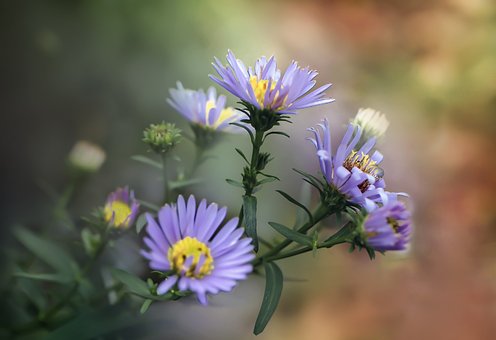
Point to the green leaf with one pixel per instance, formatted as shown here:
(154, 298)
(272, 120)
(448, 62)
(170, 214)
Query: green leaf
(234, 183)
(310, 178)
(246, 128)
(149, 205)
(186, 183)
(146, 304)
(140, 222)
(272, 294)
(242, 155)
(276, 133)
(295, 202)
(292, 234)
(266, 180)
(47, 251)
(91, 241)
(147, 161)
(132, 282)
(250, 218)
(57, 277)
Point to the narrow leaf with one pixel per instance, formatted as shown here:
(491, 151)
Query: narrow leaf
(266, 180)
(132, 282)
(140, 222)
(146, 304)
(181, 184)
(149, 205)
(242, 155)
(246, 128)
(250, 218)
(147, 161)
(292, 234)
(47, 251)
(272, 294)
(234, 183)
(57, 277)
(295, 202)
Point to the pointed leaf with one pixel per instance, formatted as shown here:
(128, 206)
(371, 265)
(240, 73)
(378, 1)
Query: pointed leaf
(146, 304)
(246, 128)
(292, 234)
(234, 183)
(49, 277)
(186, 183)
(140, 222)
(250, 218)
(132, 282)
(147, 161)
(242, 155)
(47, 251)
(272, 294)
(295, 202)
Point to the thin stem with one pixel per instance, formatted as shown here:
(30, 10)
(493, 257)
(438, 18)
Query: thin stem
(344, 235)
(165, 177)
(320, 213)
(257, 144)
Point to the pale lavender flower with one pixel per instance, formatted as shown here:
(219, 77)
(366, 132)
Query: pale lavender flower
(354, 173)
(205, 109)
(266, 88)
(205, 257)
(121, 208)
(388, 227)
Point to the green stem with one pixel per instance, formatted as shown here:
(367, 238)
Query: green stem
(164, 177)
(342, 236)
(257, 144)
(320, 213)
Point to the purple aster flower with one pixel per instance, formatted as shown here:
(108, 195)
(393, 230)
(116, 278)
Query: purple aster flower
(265, 88)
(354, 173)
(189, 241)
(121, 208)
(204, 109)
(388, 227)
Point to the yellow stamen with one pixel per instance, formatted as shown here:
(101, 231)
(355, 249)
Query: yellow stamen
(225, 114)
(364, 163)
(186, 248)
(120, 211)
(260, 87)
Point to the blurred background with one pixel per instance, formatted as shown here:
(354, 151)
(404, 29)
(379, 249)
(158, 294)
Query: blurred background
(101, 70)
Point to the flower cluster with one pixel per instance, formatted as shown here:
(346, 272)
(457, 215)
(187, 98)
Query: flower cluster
(353, 172)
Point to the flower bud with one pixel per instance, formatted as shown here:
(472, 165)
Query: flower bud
(86, 157)
(162, 137)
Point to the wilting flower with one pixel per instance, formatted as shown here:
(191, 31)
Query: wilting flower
(121, 208)
(204, 109)
(264, 87)
(388, 227)
(86, 156)
(353, 173)
(189, 241)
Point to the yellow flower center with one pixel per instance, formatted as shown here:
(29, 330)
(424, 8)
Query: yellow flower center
(364, 163)
(225, 114)
(260, 87)
(190, 248)
(120, 211)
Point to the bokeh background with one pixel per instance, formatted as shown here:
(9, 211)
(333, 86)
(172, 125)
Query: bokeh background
(101, 70)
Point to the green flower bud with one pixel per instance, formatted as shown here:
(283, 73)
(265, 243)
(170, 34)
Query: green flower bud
(162, 137)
